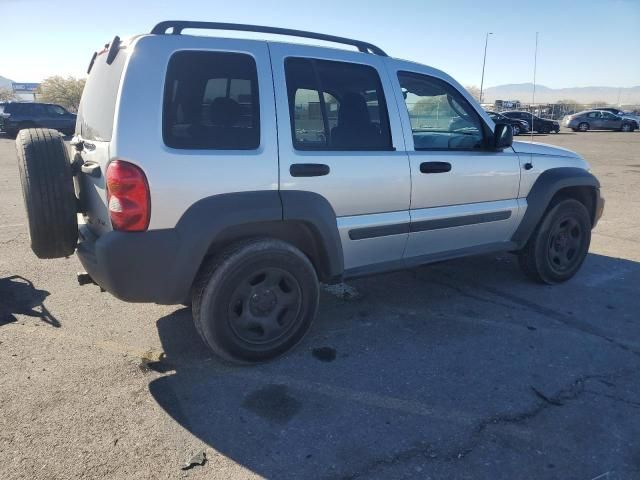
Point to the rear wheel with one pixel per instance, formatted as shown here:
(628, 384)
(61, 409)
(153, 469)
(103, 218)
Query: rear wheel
(583, 127)
(256, 300)
(47, 189)
(559, 245)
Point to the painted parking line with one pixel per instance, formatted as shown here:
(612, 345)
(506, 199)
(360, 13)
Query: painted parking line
(15, 225)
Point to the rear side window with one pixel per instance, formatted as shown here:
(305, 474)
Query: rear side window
(211, 102)
(98, 104)
(336, 106)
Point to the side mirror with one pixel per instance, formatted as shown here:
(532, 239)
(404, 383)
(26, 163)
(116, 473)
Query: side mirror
(502, 136)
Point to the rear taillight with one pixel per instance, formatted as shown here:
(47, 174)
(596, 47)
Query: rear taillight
(128, 197)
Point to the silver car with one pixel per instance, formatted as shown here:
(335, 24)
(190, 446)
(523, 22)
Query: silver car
(234, 175)
(598, 120)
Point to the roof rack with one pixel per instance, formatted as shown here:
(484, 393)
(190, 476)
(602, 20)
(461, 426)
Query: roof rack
(178, 25)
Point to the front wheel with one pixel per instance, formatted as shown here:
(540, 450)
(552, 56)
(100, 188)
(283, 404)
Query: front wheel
(627, 127)
(256, 300)
(559, 245)
(583, 127)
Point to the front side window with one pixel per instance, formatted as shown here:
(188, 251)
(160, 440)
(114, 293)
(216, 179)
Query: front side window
(56, 111)
(593, 115)
(336, 106)
(441, 119)
(211, 102)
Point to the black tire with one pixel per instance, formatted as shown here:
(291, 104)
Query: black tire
(255, 301)
(627, 127)
(583, 127)
(47, 189)
(559, 245)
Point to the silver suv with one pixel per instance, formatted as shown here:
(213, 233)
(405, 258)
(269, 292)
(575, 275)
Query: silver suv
(235, 175)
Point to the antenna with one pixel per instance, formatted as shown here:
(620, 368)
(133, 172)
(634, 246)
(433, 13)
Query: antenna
(533, 98)
(484, 61)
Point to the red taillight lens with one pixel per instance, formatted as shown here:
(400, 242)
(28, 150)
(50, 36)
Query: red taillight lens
(128, 197)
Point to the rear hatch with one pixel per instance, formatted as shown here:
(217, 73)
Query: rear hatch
(94, 130)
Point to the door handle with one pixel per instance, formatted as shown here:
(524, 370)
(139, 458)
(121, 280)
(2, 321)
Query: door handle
(435, 167)
(90, 168)
(309, 170)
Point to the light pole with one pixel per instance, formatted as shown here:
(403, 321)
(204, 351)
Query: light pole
(484, 61)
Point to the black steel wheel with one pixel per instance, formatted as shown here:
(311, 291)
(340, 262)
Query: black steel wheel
(265, 305)
(566, 240)
(559, 245)
(256, 300)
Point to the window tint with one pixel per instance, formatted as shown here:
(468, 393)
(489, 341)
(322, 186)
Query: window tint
(211, 102)
(38, 110)
(593, 115)
(441, 119)
(336, 106)
(98, 103)
(55, 110)
(609, 116)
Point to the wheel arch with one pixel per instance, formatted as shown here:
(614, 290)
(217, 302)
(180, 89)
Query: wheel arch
(304, 219)
(552, 186)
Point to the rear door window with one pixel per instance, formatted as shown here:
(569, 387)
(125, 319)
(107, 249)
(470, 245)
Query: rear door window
(98, 104)
(336, 106)
(211, 102)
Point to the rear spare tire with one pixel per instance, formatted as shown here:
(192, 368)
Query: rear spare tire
(47, 189)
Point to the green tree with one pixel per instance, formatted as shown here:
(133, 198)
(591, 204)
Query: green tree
(7, 95)
(63, 91)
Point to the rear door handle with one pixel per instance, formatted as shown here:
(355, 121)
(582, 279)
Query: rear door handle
(309, 170)
(435, 167)
(90, 168)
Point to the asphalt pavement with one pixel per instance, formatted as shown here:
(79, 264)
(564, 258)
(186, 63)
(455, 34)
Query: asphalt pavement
(460, 370)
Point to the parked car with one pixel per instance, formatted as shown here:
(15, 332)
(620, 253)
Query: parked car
(599, 120)
(18, 115)
(269, 167)
(518, 126)
(622, 113)
(537, 124)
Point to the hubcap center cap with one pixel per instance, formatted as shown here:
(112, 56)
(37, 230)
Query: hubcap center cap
(561, 242)
(263, 302)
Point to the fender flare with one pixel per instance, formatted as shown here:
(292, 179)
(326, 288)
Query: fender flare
(210, 220)
(542, 192)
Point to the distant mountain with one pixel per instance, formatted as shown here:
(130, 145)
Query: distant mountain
(5, 82)
(522, 92)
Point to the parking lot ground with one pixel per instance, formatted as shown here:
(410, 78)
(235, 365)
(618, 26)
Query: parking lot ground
(457, 370)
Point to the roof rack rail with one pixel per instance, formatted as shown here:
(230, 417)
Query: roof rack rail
(178, 25)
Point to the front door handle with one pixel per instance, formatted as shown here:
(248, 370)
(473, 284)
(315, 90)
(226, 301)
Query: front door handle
(435, 167)
(309, 170)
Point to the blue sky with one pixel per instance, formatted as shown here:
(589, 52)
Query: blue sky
(581, 42)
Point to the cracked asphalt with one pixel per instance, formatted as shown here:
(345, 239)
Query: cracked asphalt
(460, 370)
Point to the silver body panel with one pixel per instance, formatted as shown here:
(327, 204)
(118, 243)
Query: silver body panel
(365, 188)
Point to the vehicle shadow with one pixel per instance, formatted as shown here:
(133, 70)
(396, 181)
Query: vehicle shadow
(422, 366)
(19, 296)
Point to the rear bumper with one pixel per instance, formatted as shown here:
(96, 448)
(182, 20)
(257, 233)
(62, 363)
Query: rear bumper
(135, 267)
